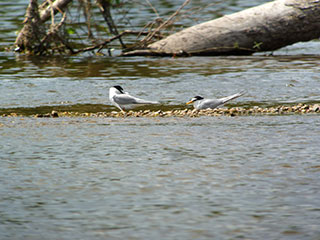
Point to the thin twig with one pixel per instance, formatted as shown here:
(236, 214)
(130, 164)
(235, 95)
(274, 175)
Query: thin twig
(100, 46)
(167, 21)
(53, 32)
(52, 12)
(104, 6)
(152, 7)
(87, 15)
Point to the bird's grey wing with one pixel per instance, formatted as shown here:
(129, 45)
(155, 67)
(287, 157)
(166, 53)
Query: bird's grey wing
(211, 103)
(142, 101)
(124, 99)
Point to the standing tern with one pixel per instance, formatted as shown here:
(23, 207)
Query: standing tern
(201, 103)
(123, 100)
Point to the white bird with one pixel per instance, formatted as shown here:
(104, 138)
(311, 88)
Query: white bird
(123, 100)
(201, 103)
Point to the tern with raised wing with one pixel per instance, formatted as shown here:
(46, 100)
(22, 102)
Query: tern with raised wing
(123, 100)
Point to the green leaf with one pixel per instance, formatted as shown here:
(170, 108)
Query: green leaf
(71, 31)
(257, 45)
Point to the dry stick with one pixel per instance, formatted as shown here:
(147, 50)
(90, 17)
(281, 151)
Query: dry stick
(105, 10)
(148, 38)
(150, 25)
(52, 12)
(55, 29)
(56, 6)
(102, 45)
(152, 7)
(87, 15)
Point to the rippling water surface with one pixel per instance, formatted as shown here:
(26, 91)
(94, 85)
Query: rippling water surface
(249, 177)
(178, 178)
(82, 83)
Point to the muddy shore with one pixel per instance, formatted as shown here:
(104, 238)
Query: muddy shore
(234, 111)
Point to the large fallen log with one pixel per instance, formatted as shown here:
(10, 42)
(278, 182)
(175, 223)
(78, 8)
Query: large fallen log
(263, 28)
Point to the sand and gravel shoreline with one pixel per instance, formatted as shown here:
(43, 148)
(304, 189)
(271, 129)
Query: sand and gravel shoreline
(234, 111)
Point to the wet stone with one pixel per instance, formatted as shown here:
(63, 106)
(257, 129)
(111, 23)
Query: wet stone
(54, 114)
(316, 108)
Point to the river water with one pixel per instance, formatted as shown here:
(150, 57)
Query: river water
(247, 177)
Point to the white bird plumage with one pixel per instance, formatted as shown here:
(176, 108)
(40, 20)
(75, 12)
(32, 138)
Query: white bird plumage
(123, 100)
(202, 103)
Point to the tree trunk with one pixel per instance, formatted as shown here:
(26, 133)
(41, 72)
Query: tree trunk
(263, 28)
(33, 29)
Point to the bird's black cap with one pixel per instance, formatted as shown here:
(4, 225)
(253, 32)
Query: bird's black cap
(198, 97)
(119, 88)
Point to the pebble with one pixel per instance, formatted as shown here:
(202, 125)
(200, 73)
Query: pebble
(54, 114)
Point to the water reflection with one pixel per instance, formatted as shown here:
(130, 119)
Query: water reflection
(76, 67)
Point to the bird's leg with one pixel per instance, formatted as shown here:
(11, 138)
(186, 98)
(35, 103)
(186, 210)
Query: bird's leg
(123, 111)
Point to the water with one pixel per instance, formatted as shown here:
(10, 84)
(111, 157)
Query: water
(32, 83)
(173, 178)
(249, 177)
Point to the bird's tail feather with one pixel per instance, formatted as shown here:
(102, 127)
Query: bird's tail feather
(229, 98)
(153, 102)
(142, 101)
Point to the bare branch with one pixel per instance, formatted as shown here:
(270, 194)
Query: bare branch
(152, 7)
(103, 44)
(57, 6)
(148, 38)
(105, 7)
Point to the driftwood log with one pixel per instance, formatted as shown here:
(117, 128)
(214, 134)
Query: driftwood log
(263, 28)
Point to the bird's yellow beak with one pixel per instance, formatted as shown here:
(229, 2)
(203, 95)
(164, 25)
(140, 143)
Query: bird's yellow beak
(191, 101)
